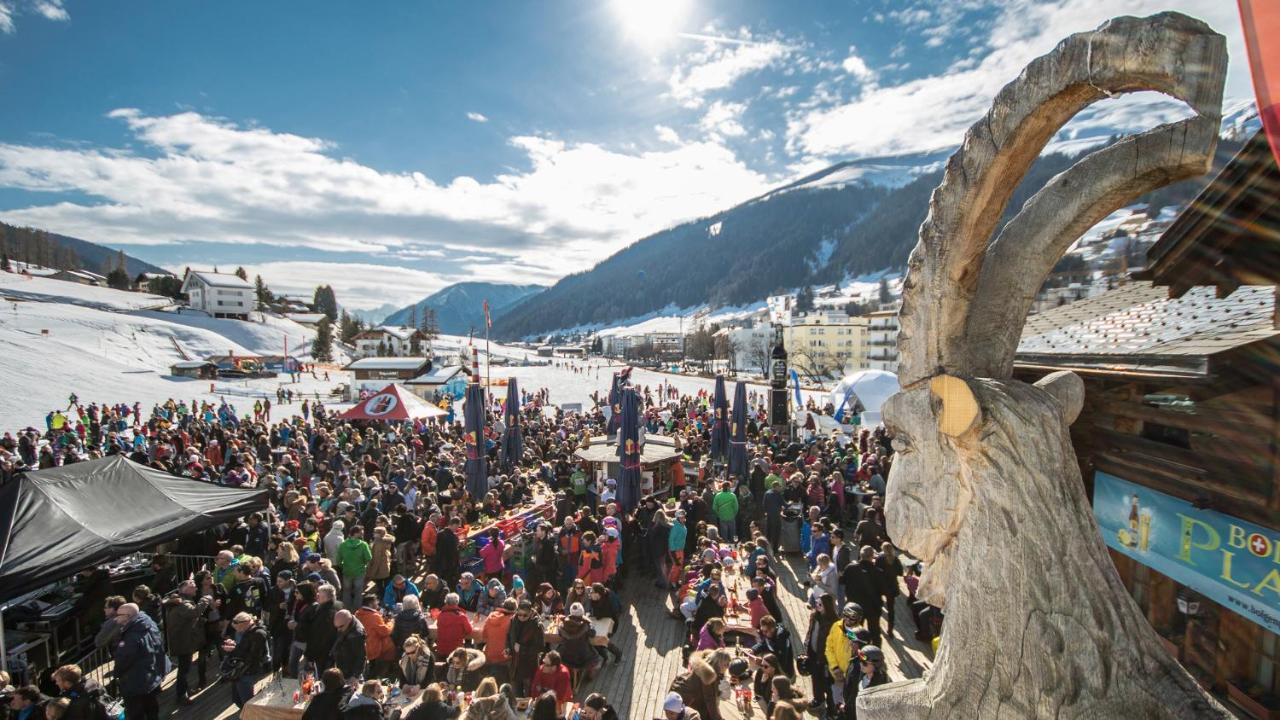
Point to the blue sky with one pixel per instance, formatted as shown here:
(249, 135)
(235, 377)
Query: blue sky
(394, 148)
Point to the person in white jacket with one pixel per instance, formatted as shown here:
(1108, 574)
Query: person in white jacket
(332, 540)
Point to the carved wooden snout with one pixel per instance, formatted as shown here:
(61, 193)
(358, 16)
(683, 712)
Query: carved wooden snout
(959, 412)
(1068, 389)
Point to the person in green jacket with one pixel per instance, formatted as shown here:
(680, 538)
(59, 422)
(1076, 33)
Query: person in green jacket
(725, 507)
(354, 556)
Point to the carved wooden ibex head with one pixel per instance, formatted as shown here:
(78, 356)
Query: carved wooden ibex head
(985, 489)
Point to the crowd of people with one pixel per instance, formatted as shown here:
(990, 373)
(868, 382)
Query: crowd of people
(356, 576)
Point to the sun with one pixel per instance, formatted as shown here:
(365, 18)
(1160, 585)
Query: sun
(651, 23)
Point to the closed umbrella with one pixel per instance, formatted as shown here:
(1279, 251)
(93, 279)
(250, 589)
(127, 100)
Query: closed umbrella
(615, 405)
(720, 422)
(629, 450)
(477, 462)
(738, 433)
(513, 442)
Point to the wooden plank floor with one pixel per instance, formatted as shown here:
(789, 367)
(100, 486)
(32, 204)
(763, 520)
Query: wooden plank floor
(650, 641)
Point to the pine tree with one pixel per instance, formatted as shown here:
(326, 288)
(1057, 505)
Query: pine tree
(885, 296)
(324, 301)
(242, 274)
(804, 299)
(322, 346)
(260, 290)
(428, 325)
(118, 279)
(122, 263)
(349, 328)
(4, 262)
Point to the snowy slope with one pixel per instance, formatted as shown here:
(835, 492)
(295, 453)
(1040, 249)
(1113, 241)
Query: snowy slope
(39, 289)
(59, 338)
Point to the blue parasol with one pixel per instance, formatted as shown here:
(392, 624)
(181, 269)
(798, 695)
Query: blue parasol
(720, 422)
(629, 450)
(738, 433)
(615, 405)
(513, 442)
(473, 436)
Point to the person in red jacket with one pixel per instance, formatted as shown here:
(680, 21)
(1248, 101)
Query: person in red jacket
(554, 676)
(609, 549)
(452, 627)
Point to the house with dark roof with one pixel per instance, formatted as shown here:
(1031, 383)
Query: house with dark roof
(1179, 438)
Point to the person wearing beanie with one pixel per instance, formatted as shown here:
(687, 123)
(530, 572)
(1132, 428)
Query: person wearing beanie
(575, 648)
(673, 708)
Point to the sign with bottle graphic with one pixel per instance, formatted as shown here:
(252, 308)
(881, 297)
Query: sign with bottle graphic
(1232, 562)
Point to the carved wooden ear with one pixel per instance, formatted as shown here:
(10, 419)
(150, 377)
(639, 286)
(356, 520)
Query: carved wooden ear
(960, 411)
(1068, 389)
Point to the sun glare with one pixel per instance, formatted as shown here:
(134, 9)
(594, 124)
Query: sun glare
(651, 23)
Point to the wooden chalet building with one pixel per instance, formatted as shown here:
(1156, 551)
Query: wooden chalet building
(1179, 439)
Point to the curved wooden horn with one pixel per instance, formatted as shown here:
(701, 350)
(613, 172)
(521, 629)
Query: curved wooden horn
(1167, 53)
(960, 412)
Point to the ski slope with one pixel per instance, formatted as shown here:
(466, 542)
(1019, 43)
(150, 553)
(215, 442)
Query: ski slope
(58, 338)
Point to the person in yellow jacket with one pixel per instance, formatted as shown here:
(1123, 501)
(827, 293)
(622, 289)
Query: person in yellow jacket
(842, 647)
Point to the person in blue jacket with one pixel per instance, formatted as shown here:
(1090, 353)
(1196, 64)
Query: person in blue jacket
(139, 663)
(396, 590)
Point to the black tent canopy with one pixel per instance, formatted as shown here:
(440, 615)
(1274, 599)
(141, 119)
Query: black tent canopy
(60, 520)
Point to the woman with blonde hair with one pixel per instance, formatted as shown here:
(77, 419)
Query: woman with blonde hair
(416, 664)
(56, 709)
(490, 703)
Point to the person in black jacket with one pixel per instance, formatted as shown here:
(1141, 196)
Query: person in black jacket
(542, 561)
(448, 563)
(775, 640)
(327, 704)
(864, 586)
(348, 653)
(86, 696)
(432, 593)
(314, 626)
(246, 656)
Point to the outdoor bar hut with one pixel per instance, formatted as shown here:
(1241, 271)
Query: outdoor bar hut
(658, 454)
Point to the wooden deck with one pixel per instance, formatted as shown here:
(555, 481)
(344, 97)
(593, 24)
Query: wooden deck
(650, 641)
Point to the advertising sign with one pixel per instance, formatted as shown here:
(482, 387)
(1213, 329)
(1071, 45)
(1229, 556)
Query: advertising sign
(1232, 562)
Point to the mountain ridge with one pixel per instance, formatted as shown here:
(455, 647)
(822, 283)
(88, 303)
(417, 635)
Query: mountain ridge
(459, 307)
(807, 232)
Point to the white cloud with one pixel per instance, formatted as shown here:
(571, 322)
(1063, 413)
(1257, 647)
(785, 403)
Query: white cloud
(196, 179)
(48, 9)
(477, 117)
(932, 113)
(857, 67)
(724, 119)
(719, 65)
(357, 285)
(51, 10)
(666, 134)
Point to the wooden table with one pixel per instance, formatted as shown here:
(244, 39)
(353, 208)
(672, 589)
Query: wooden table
(275, 701)
(738, 621)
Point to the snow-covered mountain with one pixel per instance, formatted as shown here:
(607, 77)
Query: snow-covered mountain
(459, 307)
(847, 220)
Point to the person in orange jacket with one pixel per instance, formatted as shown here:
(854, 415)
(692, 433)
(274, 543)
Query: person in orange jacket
(494, 632)
(379, 649)
(610, 547)
(428, 539)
